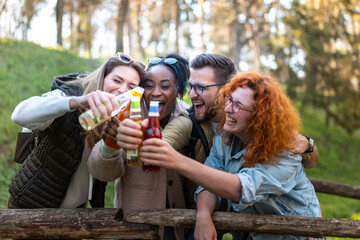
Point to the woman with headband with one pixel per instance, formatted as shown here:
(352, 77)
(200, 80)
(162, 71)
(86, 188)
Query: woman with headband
(134, 188)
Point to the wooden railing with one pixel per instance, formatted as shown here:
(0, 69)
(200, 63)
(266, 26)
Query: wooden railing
(112, 223)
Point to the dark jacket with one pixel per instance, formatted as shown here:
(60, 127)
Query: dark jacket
(43, 178)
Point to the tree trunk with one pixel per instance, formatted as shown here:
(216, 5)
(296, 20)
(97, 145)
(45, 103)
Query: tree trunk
(335, 188)
(202, 34)
(177, 24)
(59, 11)
(237, 31)
(70, 224)
(121, 19)
(129, 33)
(110, 223)
(139, 28)
(232, 221)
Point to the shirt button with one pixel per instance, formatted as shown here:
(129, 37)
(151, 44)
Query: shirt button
(170, 183)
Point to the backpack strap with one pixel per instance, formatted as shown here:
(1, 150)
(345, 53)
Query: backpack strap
(197, 133)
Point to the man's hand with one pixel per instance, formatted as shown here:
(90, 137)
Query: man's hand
(299, 145)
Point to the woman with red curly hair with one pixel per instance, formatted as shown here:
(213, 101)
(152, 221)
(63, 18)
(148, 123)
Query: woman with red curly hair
(250, 165)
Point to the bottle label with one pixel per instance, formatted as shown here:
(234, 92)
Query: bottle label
(132, 154)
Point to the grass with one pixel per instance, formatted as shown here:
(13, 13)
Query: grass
(27, 69)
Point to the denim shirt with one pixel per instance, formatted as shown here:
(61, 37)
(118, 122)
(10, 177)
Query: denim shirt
(275, 188)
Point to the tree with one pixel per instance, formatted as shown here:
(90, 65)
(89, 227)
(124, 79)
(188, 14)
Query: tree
(59, 12)
(327, 34)
(28, 11)
(123, 8)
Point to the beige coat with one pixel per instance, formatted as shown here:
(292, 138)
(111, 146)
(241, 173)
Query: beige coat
(136, 189)
(178, 133)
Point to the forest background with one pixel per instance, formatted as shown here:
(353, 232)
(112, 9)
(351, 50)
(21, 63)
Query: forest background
(311, 47)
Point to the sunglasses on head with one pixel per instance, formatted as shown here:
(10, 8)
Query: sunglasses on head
(157, 60)
(127, 59)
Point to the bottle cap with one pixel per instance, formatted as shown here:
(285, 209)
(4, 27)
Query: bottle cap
(154, 108)
(138, 91)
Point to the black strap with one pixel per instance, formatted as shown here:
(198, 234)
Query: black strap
(197, 133)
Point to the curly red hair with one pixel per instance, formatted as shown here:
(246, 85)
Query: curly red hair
(273, 124)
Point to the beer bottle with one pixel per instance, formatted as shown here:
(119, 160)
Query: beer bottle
(125, 113)
(87, 119)
(132, 155)
(152, 131)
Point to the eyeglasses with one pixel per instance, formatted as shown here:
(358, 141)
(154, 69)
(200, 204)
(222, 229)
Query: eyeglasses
(157, 60)
(127, 59)
(235, 105)
(198, 88)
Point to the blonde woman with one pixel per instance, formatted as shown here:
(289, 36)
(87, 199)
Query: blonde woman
(55, 174)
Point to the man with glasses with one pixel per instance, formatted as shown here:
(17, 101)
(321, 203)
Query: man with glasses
(209, 72)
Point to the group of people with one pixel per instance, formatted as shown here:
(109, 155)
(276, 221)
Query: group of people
(255, 165)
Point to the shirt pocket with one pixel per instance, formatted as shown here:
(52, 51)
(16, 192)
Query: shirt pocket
(137, 178)
(285, 207)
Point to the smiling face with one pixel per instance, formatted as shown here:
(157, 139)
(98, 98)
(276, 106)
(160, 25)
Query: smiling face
(237, 123)
(203, 103)
(121, 79)
(160, 85)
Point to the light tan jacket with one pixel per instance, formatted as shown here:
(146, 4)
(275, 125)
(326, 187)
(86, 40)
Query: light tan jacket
(136, 189)
(178, 133)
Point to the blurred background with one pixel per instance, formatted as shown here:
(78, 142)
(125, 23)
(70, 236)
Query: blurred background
(312, 47)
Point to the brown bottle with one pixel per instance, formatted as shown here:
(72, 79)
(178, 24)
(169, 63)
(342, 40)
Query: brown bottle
(125, 113)
(153, 131)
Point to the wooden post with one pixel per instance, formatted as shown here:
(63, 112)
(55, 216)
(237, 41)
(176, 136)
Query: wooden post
(108, 223)
(70, 224)
(231, 221)
(335, 188)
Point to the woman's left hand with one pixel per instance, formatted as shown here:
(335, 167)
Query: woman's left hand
(158, 152)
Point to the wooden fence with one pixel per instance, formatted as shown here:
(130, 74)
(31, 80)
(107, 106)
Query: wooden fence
(112, 223)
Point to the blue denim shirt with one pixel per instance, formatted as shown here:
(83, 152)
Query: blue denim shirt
(275, 188)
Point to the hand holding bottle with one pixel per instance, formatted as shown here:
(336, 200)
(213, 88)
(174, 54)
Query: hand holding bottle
(101, 103)
(90, 119)
(129, 134)
(109, 132)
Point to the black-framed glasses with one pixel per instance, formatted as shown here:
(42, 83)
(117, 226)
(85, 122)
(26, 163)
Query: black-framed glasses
(198, 88)
(236, 106)
(127, 59)
(157, 60)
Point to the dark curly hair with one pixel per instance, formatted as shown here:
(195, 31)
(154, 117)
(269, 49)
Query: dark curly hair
(180, 69)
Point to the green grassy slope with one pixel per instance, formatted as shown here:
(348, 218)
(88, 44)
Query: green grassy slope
(27, 69)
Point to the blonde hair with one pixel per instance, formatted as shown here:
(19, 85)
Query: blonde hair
(95, 81)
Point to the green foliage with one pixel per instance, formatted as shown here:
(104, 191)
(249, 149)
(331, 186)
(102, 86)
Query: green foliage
(27, 69)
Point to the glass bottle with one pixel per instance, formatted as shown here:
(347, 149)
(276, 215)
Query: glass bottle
(87, 119)
(132, 155)
(153, 131)
(123, 114)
